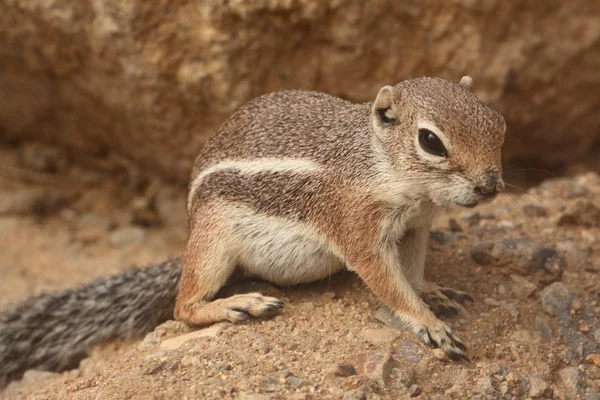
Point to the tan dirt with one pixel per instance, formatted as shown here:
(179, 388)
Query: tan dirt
(61, 229)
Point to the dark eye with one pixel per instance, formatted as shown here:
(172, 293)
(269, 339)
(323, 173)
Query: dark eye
(431, 143)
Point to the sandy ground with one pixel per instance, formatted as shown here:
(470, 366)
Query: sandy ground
(531, 262)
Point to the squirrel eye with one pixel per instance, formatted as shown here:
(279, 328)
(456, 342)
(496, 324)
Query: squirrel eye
(431, 143)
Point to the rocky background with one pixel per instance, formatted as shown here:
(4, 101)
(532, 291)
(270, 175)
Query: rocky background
(104, 105)
(152, 80)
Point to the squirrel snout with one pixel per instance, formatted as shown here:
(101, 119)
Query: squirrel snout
(489, 186)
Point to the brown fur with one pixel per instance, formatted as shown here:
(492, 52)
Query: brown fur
(361, 188)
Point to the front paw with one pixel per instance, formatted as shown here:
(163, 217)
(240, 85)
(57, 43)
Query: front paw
(439, 335)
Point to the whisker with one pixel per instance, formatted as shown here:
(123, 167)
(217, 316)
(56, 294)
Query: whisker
(526, 192)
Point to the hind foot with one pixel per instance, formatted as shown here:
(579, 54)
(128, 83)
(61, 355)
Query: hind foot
(235, 309)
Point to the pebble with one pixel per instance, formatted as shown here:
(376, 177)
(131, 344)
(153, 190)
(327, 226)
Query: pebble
(375, 364)
(593, 358)
(523, 336)
(569, 377)
(537, 387)
(343, 369)
(544, 329)
(296, 382)
(557, 299)
(356, 394)
(414, 390)
(521, 287)
(126, 236)
(410, 351)
(491, 302)
(485, 386)
(178, 341)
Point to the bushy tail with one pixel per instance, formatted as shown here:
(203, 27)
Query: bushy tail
(54, 331)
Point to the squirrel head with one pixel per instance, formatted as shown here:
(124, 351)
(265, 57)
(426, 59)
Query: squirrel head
(442, 140)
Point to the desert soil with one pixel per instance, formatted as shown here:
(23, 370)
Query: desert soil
(531, 261)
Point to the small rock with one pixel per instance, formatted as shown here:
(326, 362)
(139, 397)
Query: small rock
(475, 218)
(521, 287)
(442, 237)
(296, 382)
(544, 329)
(177, 342)
(569, 377)
(501, 289)
(576, 306)
(582, 213)
(127, 236)
(374, 364)
(343, 369)
(454, 226)
(593, 359)
(523, 336)
(381, 336)
(557, 298)
(188, 360)
(151, 339)
(327, 297)
(410, 351)
(524, 255)
(491, 302)
(414, 390)
(485, 386)
(535, 211)
(356, 394)
(439, 354)
(537, 387)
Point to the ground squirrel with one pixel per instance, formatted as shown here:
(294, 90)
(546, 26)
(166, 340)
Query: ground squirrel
(295, 186)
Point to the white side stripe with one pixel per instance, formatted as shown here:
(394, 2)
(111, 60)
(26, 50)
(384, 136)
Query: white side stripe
(296, 165)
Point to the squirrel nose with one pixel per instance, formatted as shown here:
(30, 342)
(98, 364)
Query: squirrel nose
(490, 185)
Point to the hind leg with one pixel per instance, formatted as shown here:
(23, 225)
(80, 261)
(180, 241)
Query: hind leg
(209, 260)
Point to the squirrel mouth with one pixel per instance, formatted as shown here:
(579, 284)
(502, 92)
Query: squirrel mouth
(469, 204)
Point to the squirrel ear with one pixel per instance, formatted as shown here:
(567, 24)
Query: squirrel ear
(467, 82)
(384, 112)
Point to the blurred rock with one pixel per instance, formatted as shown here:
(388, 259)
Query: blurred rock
(582, 213)
(524, 255)
(152, 81)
